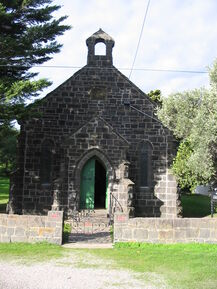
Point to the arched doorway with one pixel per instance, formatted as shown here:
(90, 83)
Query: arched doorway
(93, 185)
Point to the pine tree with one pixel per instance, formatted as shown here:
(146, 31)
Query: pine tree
(28, 33)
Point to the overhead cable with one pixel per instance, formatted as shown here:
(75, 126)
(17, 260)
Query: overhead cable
(140, 36)
(120, 68)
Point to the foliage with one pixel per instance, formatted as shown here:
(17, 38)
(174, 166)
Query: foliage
(66, 231)
(27, 38)
(181, 168)
(8, 142)
(155, 95)
(192, 116)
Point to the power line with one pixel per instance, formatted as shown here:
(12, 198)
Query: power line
(120, 68)
(140, 36)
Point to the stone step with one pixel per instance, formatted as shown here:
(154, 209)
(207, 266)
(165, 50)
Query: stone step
(101, 238)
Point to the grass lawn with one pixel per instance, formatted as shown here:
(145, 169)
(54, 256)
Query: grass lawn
(182, 266)
(30, 252)
(4, 193)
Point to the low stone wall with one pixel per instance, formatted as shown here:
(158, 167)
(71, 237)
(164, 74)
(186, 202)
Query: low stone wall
(31, 228)
(158, 230)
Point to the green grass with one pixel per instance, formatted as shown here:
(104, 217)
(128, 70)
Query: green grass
(195, 206)
(182, 266)
(4, 193)
(31, 252)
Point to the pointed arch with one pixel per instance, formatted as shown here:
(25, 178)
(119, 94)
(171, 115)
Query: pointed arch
(46, 161)
(103, 160)
(145, 163)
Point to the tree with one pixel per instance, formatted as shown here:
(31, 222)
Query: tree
(27, 38)
(8, 141)
(192, 116)
(155, 95)
(185, 176)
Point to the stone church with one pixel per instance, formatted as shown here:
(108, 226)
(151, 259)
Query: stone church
(96, 144)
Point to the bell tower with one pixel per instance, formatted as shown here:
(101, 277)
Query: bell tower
(100, 60)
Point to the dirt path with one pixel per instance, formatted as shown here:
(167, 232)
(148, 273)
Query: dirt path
(72, 272)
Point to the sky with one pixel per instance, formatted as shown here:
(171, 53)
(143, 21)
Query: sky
(177, 35)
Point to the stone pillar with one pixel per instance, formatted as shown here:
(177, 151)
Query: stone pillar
(56, 195)
(125, 189)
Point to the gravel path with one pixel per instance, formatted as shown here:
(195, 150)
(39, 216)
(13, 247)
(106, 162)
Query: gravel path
(67, 274)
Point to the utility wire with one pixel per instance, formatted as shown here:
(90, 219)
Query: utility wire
(142, 112)
(140, 36)
(120, 68)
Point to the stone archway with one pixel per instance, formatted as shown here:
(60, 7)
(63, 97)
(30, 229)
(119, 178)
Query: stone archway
(83, 164)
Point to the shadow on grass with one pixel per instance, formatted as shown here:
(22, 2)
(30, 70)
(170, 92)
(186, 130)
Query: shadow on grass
(3, 208)
(4, 193)
(195, 206)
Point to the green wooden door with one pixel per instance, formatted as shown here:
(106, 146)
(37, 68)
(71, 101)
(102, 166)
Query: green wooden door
(87, 185)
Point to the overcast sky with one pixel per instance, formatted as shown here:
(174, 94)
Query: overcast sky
(178, 34)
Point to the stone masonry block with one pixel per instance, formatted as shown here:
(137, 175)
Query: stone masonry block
(213, 234)
(121, 217)
(164, 223)
(3, 230)
(5, 239)
(192, 233)
(33, 232)
(12, 222)
(58, 232)
(165, 235)
(3, 220)
(50, 224)
(118, 233)
(20, 232)
(140, 235)
(182, 223)
(213, 223)
(55, 215)
(10, 231)
(37, 221)
(145, 223)
(19, 239)
(127, 234)
(171, 184)
(21, 221)
(171, 210)
(204, 233)
(152, 235)
(179, 234)
(46, 232)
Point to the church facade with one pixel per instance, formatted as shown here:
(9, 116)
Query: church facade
(96, 145)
